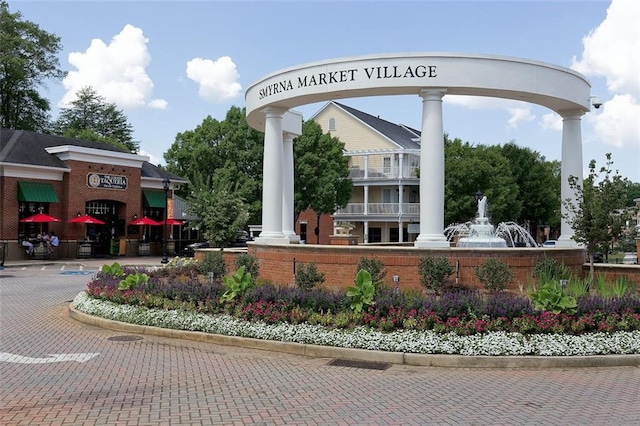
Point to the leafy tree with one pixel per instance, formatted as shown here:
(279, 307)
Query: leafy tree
(90, 117)
(230, 150)
(598, 213)
(471, 168)
(220, 211)
(633, 192)
(321, 171)
(28, 57)
(538, 187)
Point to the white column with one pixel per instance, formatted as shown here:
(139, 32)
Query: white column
(365, 209)
(366, 166)
(400, 212)
(272, 179)
(365, 238)
(287, 188)
(401, 165)
(571, 166)
(432, 171)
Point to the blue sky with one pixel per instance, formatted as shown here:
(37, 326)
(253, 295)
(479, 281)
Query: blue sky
(169, 64)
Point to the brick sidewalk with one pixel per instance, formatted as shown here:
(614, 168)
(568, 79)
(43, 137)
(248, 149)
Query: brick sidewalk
(156, 380)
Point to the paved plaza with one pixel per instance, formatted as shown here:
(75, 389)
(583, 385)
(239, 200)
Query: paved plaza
(128, 379)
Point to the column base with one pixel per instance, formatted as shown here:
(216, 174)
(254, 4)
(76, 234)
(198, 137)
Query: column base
(431, 241)
(292, 237)
(266, 240)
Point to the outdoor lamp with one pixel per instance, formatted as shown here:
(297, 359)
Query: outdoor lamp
(165, 186)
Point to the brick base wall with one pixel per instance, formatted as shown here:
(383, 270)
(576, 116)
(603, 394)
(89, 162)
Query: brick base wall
(339, 262)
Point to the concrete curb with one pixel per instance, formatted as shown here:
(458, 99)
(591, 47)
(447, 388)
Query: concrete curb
(422, 360)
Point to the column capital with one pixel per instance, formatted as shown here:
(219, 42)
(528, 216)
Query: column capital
(571, 114)
(274, 112)
(432, 94)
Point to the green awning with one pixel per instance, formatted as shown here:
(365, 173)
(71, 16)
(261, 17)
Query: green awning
(154, 199)
(37, 192)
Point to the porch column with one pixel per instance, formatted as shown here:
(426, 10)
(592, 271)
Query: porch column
(287, 188)
(432, 171)
(365, 237)
(365, 209)
(571, 166)
(272, 179)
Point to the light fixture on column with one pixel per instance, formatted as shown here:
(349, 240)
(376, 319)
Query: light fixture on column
(135, 216)
(165, 186)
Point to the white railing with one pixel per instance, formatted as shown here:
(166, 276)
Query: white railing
(380, 209)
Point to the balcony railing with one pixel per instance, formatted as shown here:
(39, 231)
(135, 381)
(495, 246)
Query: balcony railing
(380, 209)
(384, 173)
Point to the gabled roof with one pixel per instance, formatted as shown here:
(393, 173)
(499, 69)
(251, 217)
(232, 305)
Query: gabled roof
(402, 135)
(30, 148)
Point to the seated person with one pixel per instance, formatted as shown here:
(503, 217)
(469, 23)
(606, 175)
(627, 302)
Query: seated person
(29, 245)
(54, 241)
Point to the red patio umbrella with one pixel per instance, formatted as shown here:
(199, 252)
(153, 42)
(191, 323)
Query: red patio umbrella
(40, 218)
(145, 221)
(86, 219)
(173, 222)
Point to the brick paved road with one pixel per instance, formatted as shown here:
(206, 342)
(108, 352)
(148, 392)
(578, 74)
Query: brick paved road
(165, 381)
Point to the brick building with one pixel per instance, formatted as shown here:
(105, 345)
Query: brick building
(69, 178)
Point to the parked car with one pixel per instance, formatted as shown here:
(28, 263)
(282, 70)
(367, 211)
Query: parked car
(189, 250)
(549, 243)
(630, 258)
(241, 241)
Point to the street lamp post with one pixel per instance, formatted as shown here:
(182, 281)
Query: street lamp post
(165, 186)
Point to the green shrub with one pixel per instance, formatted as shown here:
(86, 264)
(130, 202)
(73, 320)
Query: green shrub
(434, 272)
(362, 293)
(374, 267)
(213, 261)
(307, 276)
(236, 285)
(494, 274)
(132, 281)
(577, 287)
(548, 269)
(114, 269)
(250, 263)
(550, 297)
(619, 288)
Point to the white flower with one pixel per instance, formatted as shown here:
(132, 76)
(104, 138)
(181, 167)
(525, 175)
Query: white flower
(407, 341)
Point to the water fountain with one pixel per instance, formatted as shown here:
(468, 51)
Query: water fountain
(481, 233)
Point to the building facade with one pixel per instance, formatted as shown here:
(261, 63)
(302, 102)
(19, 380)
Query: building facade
(68, 178)
(384, 160)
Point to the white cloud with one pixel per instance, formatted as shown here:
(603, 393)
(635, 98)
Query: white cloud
(612, 50)
(551, 121)
(619, 122)
(218, 80)
(519, 111)
(116, 71)
(519, 115)
(152, 158)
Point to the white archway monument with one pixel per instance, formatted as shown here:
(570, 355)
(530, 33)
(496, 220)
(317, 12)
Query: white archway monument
(430, 76)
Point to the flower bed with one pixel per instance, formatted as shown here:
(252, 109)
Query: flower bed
(407, 341)
(462, 322)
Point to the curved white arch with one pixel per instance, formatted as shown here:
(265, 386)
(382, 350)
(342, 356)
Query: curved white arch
(430, 76)
(557, 88)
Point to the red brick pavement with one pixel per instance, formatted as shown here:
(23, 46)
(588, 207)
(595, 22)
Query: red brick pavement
(161, 381)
